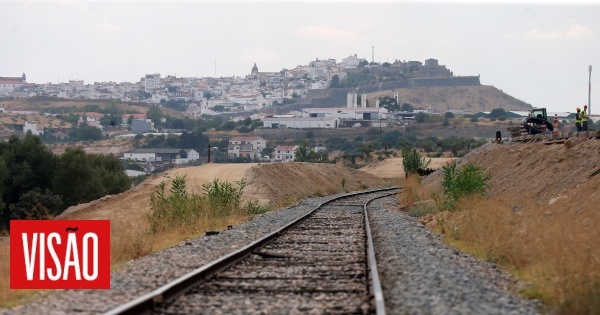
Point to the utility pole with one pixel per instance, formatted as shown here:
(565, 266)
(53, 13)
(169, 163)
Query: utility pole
(590, 93)
(208, 152)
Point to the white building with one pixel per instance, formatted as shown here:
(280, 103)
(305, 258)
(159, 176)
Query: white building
(285, 153)
(9, 84)
(342, 113)
(152, 82)
(33, 128)
(246, 147)
(177, 156)
(351, 62)
(301, 122)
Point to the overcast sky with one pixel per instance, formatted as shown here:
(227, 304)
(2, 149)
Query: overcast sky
(536, 51)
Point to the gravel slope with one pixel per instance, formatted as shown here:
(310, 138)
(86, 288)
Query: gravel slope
(423, 275)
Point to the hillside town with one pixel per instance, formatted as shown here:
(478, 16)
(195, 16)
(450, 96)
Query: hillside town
(241, 99)
(254, 91)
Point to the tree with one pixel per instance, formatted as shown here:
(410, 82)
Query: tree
(386, 64)
(155, 114)
(228, 125)
(335, 82)
(302, 152)
(407, 108)
(497, 112)
(36, 204)
(362, 63)
(193, 140)
(449, 115)
(82, 177)
(25, 165)
(178, 105)
(84, 133)
(172, 141)
(244, 129)
(110, 120)
(421, 117)
(389, 103)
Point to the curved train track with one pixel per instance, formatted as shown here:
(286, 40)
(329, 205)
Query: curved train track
(322, 263)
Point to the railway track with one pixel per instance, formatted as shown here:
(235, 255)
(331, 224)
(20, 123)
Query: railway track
(555, 138)
(322, 263)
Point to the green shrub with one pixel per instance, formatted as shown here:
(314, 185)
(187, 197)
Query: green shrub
(466, 181)
(176, 209)
(412, 161)
(224, 197)
(254, 207)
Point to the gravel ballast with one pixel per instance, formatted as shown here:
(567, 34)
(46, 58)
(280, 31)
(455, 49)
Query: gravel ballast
(420, 274)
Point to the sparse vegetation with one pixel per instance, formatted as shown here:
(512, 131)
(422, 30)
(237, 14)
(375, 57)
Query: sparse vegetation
(412, 161)
(469, 180)
(561, 267)
(525, 237)
(192, 213)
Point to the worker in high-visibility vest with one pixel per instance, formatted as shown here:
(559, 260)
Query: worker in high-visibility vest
(578, 119)
(584, 118)
(555, 124)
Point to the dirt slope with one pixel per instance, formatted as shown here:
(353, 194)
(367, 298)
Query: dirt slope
(539, 173)
(392, 168)
(266, 182)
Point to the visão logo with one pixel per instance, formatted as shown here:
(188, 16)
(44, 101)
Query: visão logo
(60, 254)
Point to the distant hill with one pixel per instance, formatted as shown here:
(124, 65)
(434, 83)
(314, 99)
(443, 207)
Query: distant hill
(444, 98)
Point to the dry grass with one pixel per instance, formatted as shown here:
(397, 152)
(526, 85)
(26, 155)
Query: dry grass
(129, 240)
(412, 191)
(8, 297)
(552, 247)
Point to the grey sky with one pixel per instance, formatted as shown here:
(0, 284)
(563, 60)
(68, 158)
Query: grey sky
(538, 52)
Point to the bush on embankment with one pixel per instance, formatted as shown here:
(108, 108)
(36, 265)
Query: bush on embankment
(552, 247)
(177, 211)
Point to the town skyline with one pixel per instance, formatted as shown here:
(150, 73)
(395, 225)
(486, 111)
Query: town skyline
(536, 51)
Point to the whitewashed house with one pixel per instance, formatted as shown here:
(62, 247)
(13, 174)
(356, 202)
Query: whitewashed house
(285, 153)
(177, 156)
(246, 147)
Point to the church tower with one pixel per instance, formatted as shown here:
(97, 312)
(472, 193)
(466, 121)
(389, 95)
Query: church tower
(254, 70)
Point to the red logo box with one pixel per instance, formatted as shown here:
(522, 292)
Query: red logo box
(60, 254)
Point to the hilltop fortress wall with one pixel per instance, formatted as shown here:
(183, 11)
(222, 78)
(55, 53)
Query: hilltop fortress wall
(337, 97)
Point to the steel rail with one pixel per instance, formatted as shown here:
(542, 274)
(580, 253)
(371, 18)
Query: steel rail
(170, 291)
(375, 282)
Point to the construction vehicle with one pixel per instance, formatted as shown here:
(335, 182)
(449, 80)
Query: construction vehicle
(537, 122)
